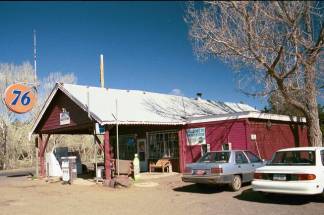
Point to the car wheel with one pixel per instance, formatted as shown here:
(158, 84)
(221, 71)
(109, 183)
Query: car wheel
(236, 183)
(322, 195)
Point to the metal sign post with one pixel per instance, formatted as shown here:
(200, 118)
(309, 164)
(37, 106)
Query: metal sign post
(117, 141)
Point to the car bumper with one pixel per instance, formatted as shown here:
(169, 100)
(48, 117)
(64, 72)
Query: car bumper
(287, 187)
(219, 179)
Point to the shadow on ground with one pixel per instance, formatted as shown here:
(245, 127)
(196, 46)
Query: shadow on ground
(252, 196)
(20, 175)
(202, 189)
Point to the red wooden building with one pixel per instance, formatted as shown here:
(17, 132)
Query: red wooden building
(160, 125)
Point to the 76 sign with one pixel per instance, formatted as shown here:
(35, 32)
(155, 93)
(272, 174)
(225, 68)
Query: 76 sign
(19, 98)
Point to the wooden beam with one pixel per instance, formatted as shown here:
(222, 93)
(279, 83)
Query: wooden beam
(42, 144)
(45, 144)
(41, 156)
(182, 149)
(107, 155)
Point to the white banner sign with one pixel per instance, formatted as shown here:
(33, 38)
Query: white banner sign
(196, 136)
(64, 118)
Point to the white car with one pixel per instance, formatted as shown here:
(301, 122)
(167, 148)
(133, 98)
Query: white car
(292, 171)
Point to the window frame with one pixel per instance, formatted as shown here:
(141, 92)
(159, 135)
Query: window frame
(322, 157)
(249, 152)
(241, 152)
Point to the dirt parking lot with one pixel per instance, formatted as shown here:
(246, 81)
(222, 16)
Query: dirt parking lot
(20, 195)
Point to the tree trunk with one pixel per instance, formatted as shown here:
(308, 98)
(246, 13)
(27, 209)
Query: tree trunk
(314, 131)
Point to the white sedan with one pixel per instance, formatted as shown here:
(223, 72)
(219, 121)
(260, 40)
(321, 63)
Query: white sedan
(292, 171)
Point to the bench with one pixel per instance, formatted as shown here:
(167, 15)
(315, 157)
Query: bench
(161, 164)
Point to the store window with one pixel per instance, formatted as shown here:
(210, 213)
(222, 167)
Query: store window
(163, 144)
(127, 146)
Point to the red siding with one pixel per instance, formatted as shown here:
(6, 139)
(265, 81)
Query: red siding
(277, 136)
(218, 133)
(238, 133)
(50, 122)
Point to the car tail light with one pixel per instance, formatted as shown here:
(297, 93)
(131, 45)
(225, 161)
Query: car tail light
(216, 170)
(303, 177)
(257, 175)
(188, 170)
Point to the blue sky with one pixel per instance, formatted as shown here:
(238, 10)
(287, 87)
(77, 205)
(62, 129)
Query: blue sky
(145, 46)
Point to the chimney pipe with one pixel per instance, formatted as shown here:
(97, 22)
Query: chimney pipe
(102, 77)
(199, 95)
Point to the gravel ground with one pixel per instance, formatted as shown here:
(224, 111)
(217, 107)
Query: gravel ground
(20, 195)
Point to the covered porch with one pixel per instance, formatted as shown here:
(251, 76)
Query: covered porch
(64, 114)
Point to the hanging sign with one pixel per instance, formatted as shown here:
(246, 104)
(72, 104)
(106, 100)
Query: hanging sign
(19, 98)
(196, 136)
(65, 118)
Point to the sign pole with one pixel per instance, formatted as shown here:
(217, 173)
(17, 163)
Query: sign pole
(117, 138)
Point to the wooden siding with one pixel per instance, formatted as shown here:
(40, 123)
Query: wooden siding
(50, 122)
(217, 134)
(279, 135)
(238, 133)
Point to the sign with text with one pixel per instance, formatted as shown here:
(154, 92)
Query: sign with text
(19, 98)
(64, 118)
(196, 136)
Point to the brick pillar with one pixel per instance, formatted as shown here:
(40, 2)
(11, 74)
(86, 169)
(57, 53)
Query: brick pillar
(107, 155)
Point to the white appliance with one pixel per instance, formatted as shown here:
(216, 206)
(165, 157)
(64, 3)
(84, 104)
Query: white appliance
(53, 168)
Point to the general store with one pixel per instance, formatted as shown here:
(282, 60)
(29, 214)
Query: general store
(156, 125)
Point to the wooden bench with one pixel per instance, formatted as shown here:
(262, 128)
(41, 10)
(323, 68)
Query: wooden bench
(161, 164)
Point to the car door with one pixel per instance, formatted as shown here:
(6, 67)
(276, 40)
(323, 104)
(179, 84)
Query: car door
(243, 166)
(254, 160)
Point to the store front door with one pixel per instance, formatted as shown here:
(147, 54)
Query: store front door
(142, 154)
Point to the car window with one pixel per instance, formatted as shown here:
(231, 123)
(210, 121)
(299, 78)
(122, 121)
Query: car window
(218, 157)
(252, 157)
(240, 158)
(294, 158)
(322, 156)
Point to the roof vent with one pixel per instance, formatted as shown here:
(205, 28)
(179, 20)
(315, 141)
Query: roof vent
(198, 96)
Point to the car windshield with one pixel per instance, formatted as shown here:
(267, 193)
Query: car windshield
(211, 157)
(293, 158)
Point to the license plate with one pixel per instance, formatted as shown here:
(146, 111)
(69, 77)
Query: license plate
(278, 177)
(200, 172)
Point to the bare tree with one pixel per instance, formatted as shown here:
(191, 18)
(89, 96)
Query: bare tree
(278, 46)
(14, 128)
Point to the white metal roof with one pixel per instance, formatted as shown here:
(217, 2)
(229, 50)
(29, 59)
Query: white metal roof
(140, 107)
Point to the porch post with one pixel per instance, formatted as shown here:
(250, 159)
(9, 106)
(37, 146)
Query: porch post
(41, 156)
(107, 155)
(42, 144)
(182, 149)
